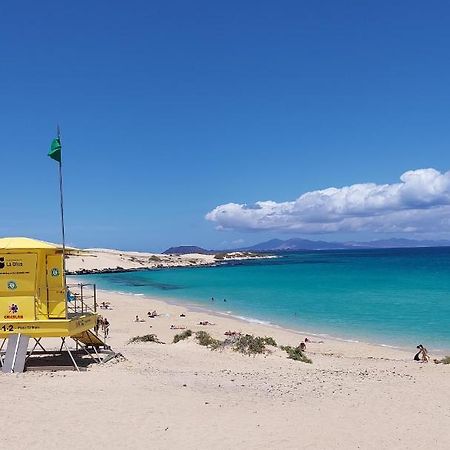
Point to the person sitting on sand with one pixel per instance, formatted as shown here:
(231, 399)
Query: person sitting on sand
(302, 346)
(422, 355)
(152, 314)
(205, 322)
(417, 355)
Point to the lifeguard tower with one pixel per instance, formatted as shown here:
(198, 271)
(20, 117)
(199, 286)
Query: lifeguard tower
(36, 303)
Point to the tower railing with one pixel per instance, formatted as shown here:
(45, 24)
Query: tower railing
(81, 298)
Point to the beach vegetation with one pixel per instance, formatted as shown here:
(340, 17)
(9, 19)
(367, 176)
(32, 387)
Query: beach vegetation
(205, 339)
(154, 258)
(145, 338)
(296, 354)
(269, 341)
(445, 360)
(220, 255)
(182, 336)
(249, 345)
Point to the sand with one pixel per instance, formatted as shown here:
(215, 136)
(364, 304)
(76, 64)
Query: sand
(353, 395)
(102, 260)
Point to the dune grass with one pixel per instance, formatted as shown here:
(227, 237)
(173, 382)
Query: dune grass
(296, 354)
(182, 336)
(145, 338)
(205, 339)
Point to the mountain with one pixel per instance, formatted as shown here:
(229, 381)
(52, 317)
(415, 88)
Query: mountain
(296, 244)
(305, 244)
(185, 249)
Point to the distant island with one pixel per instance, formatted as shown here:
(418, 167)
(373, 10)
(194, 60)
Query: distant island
(298, 244)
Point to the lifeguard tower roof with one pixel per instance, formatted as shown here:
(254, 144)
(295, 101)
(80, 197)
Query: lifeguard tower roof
(15, 243)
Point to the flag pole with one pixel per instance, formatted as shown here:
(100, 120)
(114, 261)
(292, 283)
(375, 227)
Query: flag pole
(58, 132)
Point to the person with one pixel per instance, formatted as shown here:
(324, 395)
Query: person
(105, 327)
(422, 355)
(137, 319)
(302, 346)
(425, 355)
(98, 324)
(417, 355)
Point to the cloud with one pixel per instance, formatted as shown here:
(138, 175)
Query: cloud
(419, 203)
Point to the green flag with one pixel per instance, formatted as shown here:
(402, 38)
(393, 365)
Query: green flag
(55, 150)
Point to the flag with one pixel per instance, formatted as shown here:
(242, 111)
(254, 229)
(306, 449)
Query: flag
(55, 150)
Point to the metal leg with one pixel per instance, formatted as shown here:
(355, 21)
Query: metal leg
(38, 342)
(87, 352)
(34, 348)
(70, 354)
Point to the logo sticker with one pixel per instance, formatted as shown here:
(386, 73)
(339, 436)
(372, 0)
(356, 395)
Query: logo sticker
(13, 308)
(12, 285)
(55, 272)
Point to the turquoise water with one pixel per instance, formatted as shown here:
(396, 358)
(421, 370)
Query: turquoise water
(396, 296)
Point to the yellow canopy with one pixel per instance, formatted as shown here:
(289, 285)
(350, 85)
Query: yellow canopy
(13, 243)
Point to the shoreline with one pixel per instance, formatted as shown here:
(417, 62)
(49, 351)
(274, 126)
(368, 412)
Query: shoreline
(191, 305)
(263, 325)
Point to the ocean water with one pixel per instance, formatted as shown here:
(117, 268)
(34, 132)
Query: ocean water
(397, 297)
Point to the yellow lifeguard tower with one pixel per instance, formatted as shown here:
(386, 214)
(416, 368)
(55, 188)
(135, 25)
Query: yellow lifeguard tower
(34, 298)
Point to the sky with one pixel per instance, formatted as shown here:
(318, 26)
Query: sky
(223, 124)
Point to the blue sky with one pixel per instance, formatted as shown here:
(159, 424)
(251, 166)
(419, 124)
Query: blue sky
(169, 110)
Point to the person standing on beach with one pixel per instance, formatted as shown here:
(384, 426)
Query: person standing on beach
(105, 327)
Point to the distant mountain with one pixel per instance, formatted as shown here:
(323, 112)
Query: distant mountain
(185, 249)
(305, 244)
(295, 244)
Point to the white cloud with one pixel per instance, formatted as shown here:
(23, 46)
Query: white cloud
(420, 203)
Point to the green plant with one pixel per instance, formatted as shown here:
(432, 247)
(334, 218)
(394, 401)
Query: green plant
(269, 341)
(249, 345)
(296, 354)
(145, 338)
(445, 360)
(205, 339)
(182, 336)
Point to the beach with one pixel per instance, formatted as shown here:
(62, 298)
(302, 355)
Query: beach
(353, 395)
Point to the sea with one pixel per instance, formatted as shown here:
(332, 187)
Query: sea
(393, 297)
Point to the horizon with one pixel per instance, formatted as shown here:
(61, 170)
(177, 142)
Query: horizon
(226, 125)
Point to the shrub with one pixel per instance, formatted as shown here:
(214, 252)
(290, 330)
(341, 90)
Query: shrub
(269, 341)
(182, 336)
(249, 345)
(296, 354)
(206, 340)
(445, 360)
(145, 338)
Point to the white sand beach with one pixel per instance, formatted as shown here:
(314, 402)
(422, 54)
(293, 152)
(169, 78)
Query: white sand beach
(102, 260)
(353, 395)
